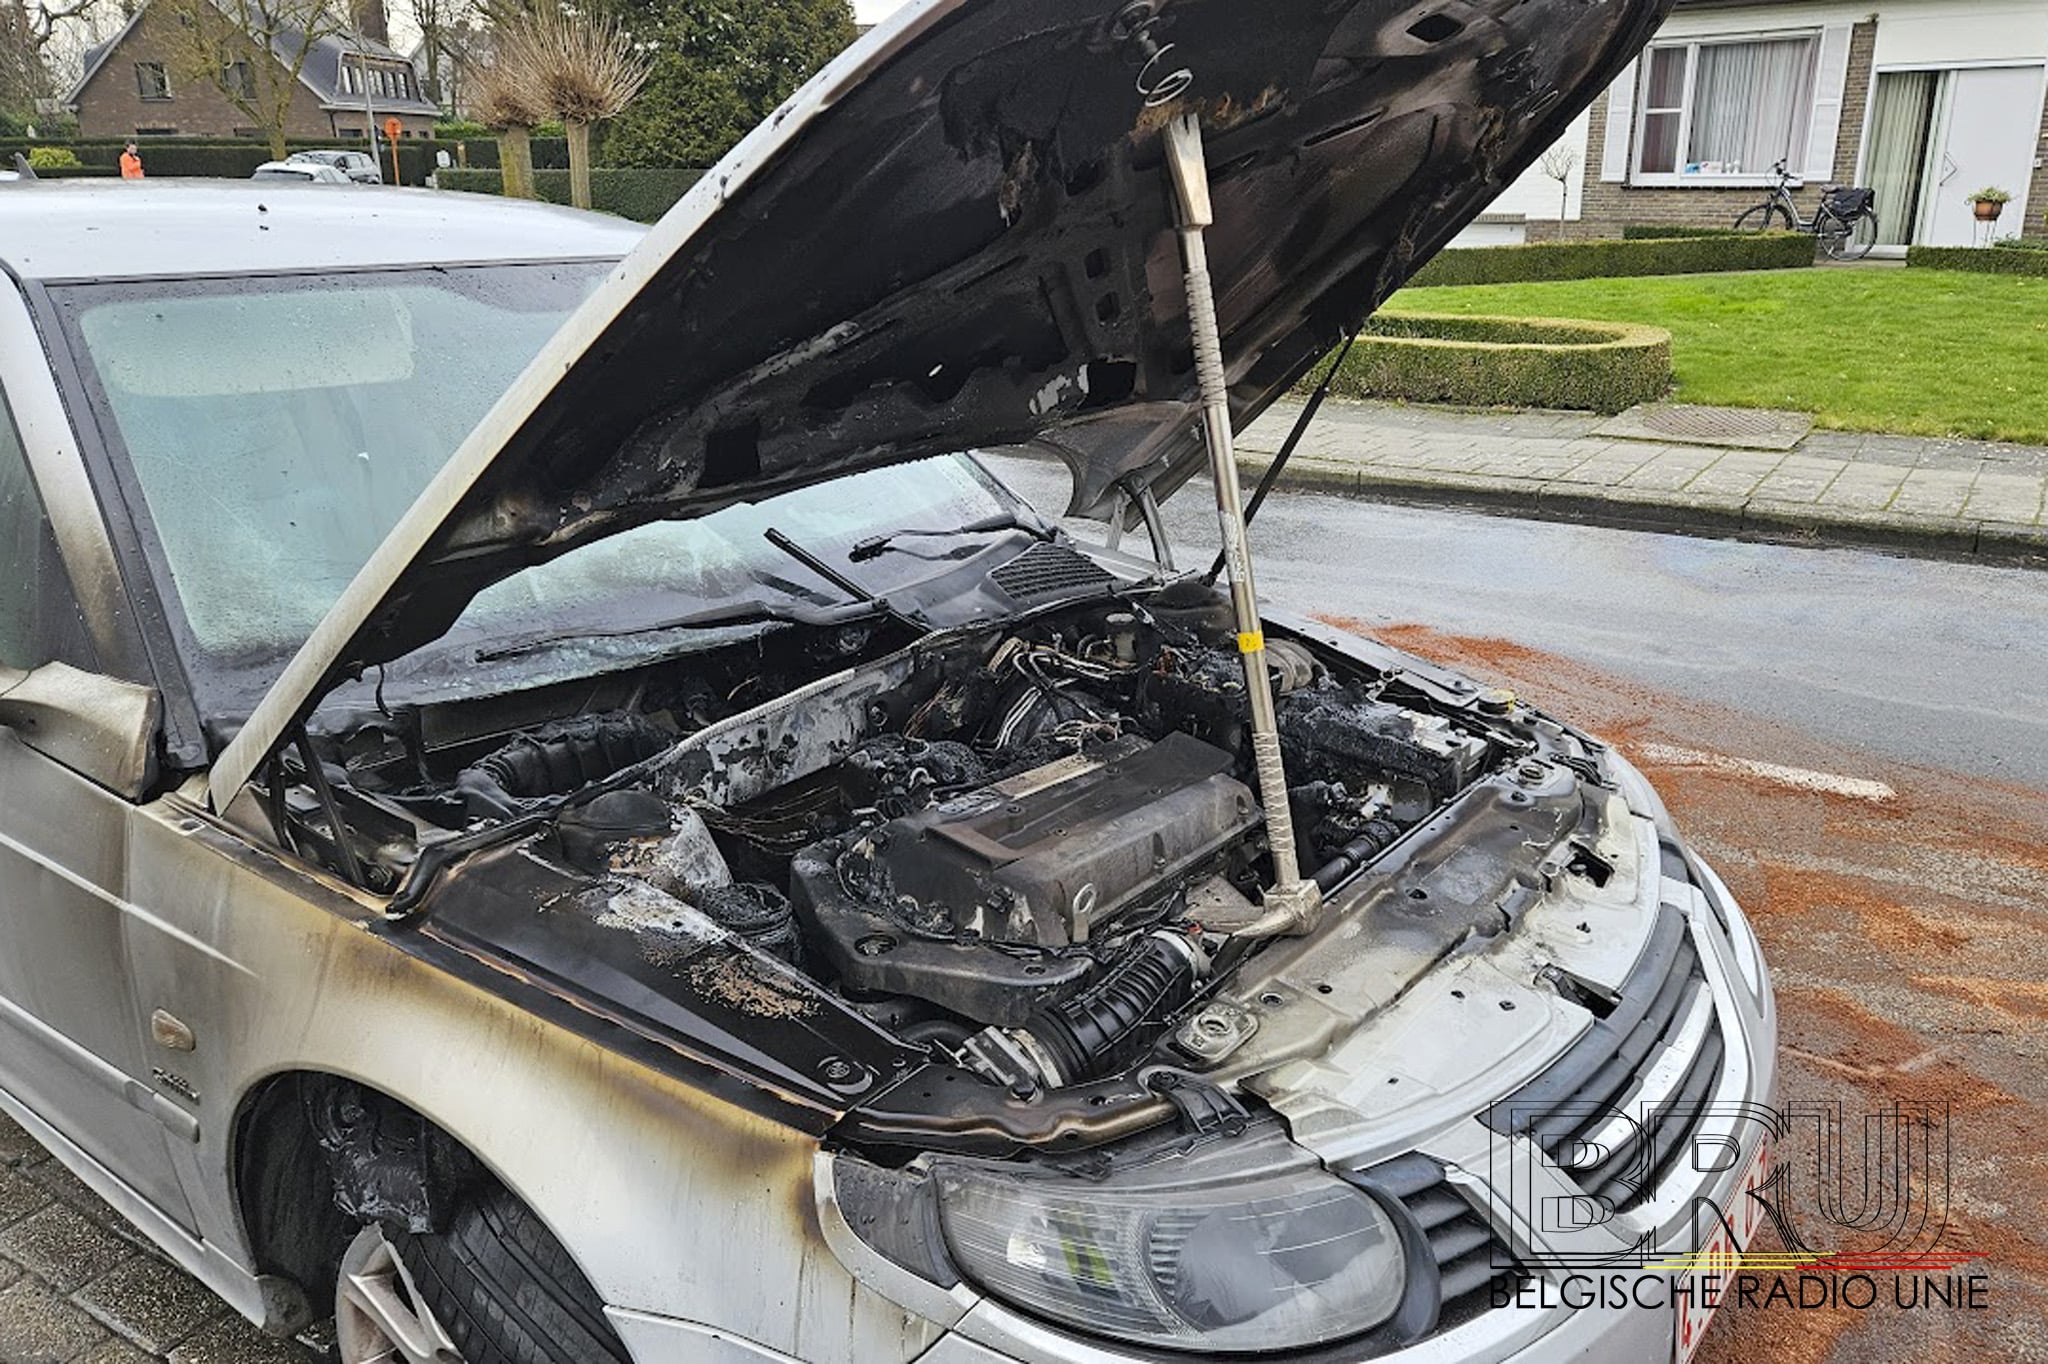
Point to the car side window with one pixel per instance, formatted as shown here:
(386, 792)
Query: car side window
(39, 618)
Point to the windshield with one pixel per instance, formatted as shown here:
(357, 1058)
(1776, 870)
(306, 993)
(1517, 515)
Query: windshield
(277, 428)
(603, 605)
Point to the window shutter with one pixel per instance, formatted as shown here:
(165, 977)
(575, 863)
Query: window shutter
(1621, 121)
(1830, 78)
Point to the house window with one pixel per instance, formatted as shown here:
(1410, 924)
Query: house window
(237, 81)
(350, 85)
(151, 80)
(1725, 106)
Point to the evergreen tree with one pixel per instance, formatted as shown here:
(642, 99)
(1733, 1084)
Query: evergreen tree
(719, 67)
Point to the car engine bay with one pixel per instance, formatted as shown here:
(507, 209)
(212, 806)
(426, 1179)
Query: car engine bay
(1023, 855)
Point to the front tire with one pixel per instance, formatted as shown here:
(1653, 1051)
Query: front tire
(495, 1287)
(1765, 218)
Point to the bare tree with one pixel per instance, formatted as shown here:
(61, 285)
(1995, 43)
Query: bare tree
(1559, 163)
(584, 69)
(503, 97)
(252, 52)
(36, 37)
(442, 25)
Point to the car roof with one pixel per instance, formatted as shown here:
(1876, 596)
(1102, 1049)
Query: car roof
(87, 229)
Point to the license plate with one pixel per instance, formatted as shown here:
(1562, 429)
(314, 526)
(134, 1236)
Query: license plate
(1720, 1257)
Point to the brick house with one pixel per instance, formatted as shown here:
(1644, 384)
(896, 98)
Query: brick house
(133, 86)
(1924, 101)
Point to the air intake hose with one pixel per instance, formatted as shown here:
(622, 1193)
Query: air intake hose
(1085, 1036)
(556, 760)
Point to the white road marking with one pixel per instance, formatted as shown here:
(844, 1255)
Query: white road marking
(1798, 778)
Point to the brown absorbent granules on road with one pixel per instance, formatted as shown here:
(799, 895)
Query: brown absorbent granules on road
(1908, 938)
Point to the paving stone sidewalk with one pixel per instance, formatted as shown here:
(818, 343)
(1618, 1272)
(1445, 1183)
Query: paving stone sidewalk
(1909, 493)
(80, 1286)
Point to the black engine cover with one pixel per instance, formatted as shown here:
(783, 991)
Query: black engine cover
(1039, 859)
(1046, 855)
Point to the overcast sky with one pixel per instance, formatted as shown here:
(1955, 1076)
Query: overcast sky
(873, 11)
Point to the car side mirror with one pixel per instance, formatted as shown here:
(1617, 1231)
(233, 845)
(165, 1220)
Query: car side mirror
(100, 727)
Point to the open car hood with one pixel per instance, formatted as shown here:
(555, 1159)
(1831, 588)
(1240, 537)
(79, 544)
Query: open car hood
(958, 235)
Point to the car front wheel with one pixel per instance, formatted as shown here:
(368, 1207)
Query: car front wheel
(495, 1287)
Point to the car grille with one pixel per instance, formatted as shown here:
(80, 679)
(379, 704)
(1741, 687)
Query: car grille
(1044, 570)
(1469, 1258)
(1617, 1112)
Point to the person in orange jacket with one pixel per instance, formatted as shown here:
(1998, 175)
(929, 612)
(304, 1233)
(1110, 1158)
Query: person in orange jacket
(131, 163)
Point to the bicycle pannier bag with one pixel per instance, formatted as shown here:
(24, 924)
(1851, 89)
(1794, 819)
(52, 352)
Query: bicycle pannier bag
(1847, 203)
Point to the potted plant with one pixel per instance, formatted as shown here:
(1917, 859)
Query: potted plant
(1990, 202)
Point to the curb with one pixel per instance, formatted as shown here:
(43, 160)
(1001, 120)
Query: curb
(1704, 515)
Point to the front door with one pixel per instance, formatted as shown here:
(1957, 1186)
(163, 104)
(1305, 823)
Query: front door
(1986, 139)
(73, 1049)
(1938, 136)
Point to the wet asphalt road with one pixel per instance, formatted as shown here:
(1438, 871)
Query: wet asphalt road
(1927, 662)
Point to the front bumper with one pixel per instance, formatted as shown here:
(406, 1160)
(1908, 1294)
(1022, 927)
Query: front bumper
(1537, 1213)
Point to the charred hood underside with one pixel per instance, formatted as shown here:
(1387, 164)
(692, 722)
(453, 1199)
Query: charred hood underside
(964, 240)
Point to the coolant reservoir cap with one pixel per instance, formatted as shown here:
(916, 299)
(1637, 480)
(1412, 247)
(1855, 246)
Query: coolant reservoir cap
(1496, 700)
(614, 817)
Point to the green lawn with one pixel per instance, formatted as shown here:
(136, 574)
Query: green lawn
(1915, 351)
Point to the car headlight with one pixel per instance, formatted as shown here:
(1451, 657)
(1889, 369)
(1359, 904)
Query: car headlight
(1232, 1245)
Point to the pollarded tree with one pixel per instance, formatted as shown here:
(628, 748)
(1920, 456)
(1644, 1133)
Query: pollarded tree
(584, 69)
(718, 68)
(504, 98)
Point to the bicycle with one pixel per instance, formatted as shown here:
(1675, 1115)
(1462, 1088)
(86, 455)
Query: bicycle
(1845, 224)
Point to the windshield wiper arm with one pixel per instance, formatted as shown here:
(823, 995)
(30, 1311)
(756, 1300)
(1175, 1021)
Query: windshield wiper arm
(738, 613)
(833, 576)
(876, 545)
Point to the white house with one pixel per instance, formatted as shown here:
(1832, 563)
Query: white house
(1924, 101)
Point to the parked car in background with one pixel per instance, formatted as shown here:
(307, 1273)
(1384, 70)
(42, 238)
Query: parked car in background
(360, 167)
(303, 172)
(548, 810)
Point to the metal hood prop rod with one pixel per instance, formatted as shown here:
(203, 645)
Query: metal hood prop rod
(1294, 904)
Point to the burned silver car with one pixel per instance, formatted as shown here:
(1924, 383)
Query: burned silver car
(549, 811)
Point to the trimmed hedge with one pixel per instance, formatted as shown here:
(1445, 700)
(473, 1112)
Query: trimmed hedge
(1978, 259)
(1643, 232)
(549, 153)
(1505, 362)
(1609, 258)
(236, 158)
(631, 193)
